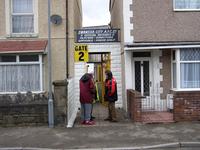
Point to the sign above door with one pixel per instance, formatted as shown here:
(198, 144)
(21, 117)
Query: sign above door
(97, 35)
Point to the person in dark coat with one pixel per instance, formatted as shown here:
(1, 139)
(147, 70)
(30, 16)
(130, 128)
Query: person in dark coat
(111, 96)
(86, 98)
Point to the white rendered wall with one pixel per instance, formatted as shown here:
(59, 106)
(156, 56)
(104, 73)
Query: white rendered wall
(71, 111)
(80, 68)
(114, 49)
(156, 89)
(70, 108)
(73, 93)
(128, 26)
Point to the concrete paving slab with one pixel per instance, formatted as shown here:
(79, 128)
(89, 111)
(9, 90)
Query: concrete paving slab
(95, 137)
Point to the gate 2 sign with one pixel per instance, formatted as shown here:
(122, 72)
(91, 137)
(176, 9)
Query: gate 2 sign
(81, 53)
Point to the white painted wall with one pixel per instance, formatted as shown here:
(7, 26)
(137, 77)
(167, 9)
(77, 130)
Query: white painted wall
(71, 107)
(115, 50)
(128, 26)
(156, 71)
(156, 90)
(73, 93)
(128, 70)
(81, 68)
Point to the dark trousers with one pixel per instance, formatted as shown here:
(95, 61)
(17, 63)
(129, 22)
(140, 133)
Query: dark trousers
(111, 111)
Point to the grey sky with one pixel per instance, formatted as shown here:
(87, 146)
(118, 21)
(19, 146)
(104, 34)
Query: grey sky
(95, 12)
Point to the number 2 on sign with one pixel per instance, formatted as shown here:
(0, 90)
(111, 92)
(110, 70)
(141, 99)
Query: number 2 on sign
(81, 56)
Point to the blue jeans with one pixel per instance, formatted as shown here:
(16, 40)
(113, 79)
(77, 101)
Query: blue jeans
(86, 112)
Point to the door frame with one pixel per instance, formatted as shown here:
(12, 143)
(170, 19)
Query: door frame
(150, 72)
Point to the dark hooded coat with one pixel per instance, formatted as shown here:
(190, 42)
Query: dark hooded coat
(87, 89)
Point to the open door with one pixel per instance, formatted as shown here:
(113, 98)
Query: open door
(98, 64)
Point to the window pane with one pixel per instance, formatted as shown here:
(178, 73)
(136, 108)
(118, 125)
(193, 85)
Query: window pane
(22, 6)
(19, 78)
(94, 57)
(174, 75)
(146, 78)
(23, 24)
(174, 55)
(190, 54)
(29, 78)
(8, 78)
(141, 54)
(190, 75)
(187, 4)
(7, 58)
(138, 76)
(27, 58)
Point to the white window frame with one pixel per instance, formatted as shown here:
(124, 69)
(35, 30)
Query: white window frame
(8, 12)
(18, 62)
(178, 72)
(177, 9)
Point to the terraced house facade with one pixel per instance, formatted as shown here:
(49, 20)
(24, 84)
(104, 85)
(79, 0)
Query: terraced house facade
(161, 54)
(23, 45)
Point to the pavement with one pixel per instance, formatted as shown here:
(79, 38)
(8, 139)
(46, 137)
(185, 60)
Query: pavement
(123, 135)
(113, 136)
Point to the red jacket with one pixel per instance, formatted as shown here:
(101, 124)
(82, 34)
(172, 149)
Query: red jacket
(111, 90)
(86, 89)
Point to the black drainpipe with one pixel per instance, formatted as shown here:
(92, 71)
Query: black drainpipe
(67, 43)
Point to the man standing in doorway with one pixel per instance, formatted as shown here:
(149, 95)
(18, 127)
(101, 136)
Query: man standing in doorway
(111, 96)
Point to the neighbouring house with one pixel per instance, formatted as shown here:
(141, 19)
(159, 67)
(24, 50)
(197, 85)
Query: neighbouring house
(161, 53)
(23, 55)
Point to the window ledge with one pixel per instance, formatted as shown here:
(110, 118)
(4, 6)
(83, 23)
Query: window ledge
(22, 35)
(184, 90)
(14, 93)
(186, 10)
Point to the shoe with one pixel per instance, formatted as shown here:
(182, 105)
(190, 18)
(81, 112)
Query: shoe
(92, 118)
(89, 122)
(83, 122)
(107, 119)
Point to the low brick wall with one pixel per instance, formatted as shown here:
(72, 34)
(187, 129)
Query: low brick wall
(134, 105)
(23, 109)
(186, 106)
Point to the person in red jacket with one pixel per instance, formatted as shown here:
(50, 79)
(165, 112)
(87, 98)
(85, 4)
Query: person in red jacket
(111, 96)
(87, 91)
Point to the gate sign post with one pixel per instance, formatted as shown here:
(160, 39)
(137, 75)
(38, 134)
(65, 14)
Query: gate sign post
(81, 53)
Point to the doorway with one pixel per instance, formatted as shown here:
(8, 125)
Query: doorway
(98, 64)
(142, 76)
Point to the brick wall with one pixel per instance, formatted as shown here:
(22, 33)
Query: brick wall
(134, 105)
(186, 106)
(23, 109)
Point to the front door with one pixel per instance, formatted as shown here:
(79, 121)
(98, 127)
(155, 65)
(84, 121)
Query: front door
(142, 76)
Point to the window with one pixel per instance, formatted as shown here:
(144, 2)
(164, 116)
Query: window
(7, 58)
(20, 73)
(21, 17)
(27, 58)
(186, 69)
(187, 4)
(141, 54)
